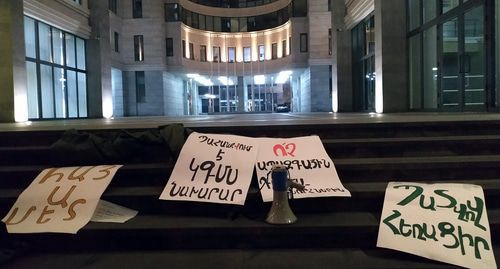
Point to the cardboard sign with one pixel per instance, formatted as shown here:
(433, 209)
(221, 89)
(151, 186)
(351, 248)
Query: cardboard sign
(443, 222)
(307, 162)
(213, 168)
(60, 200)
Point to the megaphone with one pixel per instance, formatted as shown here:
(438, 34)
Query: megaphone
(280, 212)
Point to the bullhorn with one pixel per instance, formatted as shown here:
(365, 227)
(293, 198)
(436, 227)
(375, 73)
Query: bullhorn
(280, 212)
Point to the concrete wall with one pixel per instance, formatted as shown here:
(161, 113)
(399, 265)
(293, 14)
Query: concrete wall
(320, 20)
(174, 99)
(320, 88)
(153, 106)
(117, 89)
(305, 91)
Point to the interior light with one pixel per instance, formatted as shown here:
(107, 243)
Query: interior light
(259, 79)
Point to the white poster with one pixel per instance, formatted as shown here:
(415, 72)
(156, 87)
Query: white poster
(307, 162)
(443, 222)
(60, 200)
(213, 168)
(109, 212)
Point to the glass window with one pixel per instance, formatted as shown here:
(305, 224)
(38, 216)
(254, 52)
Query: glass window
(184, 51)
(217, 24)
(430, 68)
(82, 94)
(247, 54)
(262, 53)
(80, 54)
(202, 22)
(283, 47)
(231, 54)
(60, 102)
(430, 10)
(44, 42)
(171, 12)
(191, 51)
(203, 53)
(299, 8)
(112, 5)
(274, 51)
(415, 70)
(447, 5)
(303, 42)
(72, 94)
(235, 25)
(136, 9)
(216, 54)
(47, 92)
(414, 19)
(70, 51)
(225, 24)
(140, 87)
(32, 87)
(170, 46)
(139, 48)
(210, 23)
(29, 37)
(370, 36)
(194, 20)
(243, 24)
(117, 44)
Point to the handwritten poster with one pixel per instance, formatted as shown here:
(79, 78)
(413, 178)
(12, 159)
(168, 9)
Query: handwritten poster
(60, 200)
(307, 162)
(443, 222)
(213, 168)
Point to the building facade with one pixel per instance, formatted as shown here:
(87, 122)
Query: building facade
(94, 58)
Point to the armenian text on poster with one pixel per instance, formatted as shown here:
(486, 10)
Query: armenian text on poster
(306, 161)
(212, 168)
(60, 200)
(443, 222)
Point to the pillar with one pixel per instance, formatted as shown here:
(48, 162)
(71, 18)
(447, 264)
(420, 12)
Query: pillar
(391, 93)
(13, 91)
(341, 60)
(100, 96)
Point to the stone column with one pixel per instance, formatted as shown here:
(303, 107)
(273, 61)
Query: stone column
(13, 92)
(391, 93)
(100, 97)
(341, 60)
(240, 91)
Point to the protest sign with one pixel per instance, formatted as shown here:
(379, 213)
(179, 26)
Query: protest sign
(307, 162)
(443, 222)
(213, 168)
(60, 200)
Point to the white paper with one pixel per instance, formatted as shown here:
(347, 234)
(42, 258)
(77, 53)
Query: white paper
(443, 222)
(307, 162)
(60, 200)
(110, 212)
(213, 168)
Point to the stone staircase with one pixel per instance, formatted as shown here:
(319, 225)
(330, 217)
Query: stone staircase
(331, 232)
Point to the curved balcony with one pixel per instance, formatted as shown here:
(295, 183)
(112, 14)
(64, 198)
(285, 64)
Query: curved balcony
(234, 12)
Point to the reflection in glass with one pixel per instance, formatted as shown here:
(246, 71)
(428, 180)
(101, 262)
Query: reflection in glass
(57, 46)
(70, 51)
(32, 88)
(82, 94)
(47, 91)
(60, 100)
(473, 59)
(29, 37)
(44, 42)
(415, 70)
(430, 68)
(72, 95)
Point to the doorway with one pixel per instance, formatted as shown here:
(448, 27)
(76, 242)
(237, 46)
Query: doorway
(461, 62)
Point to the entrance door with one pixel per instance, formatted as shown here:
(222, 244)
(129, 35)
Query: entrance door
(462, 62)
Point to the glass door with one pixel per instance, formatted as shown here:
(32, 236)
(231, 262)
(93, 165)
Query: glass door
(462, 62)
